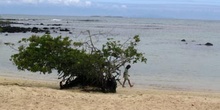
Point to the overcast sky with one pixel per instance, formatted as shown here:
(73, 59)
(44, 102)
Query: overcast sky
(182, 9)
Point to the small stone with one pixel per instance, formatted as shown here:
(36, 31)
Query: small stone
(183, 40)
(209, 44)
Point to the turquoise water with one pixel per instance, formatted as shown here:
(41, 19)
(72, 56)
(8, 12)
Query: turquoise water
(171, 64)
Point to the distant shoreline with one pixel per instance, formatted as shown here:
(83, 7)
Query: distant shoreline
(55, 16)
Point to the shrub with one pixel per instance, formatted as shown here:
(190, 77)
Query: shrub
(77, 63)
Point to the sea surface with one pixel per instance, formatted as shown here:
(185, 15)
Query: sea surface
(172, 64)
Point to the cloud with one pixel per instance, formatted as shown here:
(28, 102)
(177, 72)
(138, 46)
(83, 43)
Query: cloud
(88, 3)
(66, 2)
(119, 6)
(56, 2)
(21, 1)
(123, 6)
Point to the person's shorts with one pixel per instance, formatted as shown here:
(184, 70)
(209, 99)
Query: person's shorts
(126, 77)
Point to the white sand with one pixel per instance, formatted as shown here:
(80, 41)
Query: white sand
(22, 94)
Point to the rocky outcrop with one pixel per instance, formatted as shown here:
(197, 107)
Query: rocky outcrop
(206, 44)
(209, 44)
(10, 29)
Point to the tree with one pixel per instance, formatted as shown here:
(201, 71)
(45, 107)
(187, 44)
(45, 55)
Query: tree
(77, 63)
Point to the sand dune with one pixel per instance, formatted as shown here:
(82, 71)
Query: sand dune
(23, 94)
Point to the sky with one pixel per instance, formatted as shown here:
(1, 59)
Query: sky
(178, 9)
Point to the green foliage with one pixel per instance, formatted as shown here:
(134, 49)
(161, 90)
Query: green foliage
(42, 54)
(46, 53)
(119, 54)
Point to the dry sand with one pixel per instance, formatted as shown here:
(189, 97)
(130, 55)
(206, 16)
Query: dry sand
(23, 94)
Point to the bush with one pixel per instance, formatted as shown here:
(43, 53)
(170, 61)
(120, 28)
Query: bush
(77, 63)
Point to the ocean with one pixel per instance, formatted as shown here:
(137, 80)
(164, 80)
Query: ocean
(172, 64)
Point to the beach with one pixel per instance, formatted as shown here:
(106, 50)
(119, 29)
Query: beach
(177, 76)
(26, 94)
(171, 63)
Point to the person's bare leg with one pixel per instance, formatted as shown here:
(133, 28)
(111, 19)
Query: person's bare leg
(130, 83)
(123, 85)
(119, 82)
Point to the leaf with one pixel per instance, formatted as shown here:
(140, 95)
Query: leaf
(136, 38)
(78, 44)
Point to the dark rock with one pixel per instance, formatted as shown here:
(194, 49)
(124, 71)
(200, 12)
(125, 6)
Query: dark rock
(38, 30)
(54, 25)
(10, 29)
(64, 29)
(183, 40)
(45, 28)
(34, 30)
(209, 44)
(57, 25)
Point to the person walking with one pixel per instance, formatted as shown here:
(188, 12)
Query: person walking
(126, 76)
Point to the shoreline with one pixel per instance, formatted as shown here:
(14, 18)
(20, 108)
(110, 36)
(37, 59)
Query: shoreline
(25, 94)
(31, 81)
